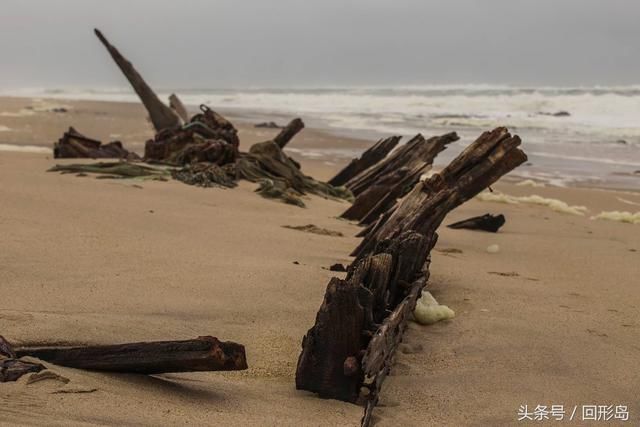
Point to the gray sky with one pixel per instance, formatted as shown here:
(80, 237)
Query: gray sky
(223, 43)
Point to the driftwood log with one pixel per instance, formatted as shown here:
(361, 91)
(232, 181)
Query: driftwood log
(176, 104)
(378, 188)
(486, 222)
(161, 116)
(370, 157)
(363, 317)
(288, 132)
(75, 145)
(200, 354)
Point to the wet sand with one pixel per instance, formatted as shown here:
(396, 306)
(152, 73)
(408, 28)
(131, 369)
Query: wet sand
(553, 318)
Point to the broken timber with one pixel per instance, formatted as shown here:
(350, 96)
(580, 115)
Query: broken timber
(369, 158)
(161, 116)
(486, 222)
(201, 354)
(176, 104)
(378, 187)
(288, 132)
(363, 317)
(482, 163)
(11, 369)
(75, 145)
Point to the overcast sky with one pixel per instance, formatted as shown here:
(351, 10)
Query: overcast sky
(235, 43)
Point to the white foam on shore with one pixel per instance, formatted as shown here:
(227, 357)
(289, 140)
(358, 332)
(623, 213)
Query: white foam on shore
(428, 311)
(21, 113)
(530, 183)
(553, 204)
(24, 148)
(619, 216)
(627, 202)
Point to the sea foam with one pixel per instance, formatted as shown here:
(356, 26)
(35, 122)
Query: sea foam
(553, 204)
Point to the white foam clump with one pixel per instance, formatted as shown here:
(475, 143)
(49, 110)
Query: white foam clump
(493, 249)
(428, 311)
(620, 216)
(553, 204)
(530, 183)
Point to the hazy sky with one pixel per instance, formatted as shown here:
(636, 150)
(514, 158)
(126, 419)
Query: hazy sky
(222, 43)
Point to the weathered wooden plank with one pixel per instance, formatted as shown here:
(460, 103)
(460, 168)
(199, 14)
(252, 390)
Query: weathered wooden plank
(370, 157)
(11, 369)
(161, 116)
(379, 187)
(201, 354)
(176, 104)
(417, 151)
(481, 164)
(288, 132)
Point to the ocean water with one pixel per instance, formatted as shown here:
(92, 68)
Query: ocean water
(594, 140)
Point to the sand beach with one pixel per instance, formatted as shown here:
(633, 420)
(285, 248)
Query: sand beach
(552, 318)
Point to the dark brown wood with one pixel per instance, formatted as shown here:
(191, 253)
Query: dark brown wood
(372, 306)
(11, 369)
(208, 137)
(334, 343)
(288, 132)
(378, 188)
(330, 361)
(200, 354)
(378, 358)
(370, 157)
(176, 104)
(486, 222)
(161, 116)
(481, 164)
(415, 152)
(73, 144)
(6, 350)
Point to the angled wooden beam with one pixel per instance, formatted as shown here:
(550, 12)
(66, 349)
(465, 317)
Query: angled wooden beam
(161, 116)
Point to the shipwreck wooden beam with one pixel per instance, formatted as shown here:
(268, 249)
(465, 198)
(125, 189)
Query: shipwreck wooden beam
(378, 358)
(75, 145)
(11, 369)
(370, 157)
(415, 152)
(486, 222)
(332, 350)
(161, 116)
(481, 164)
(6, 349)
(288, 132)
(379, 187)
(375, 301)
(200, 354)
(14, 369)
(176, 104)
